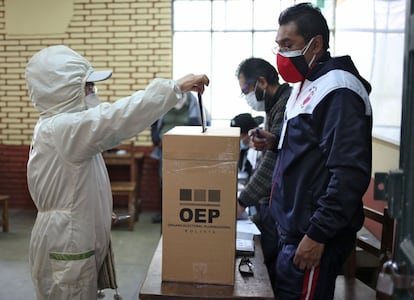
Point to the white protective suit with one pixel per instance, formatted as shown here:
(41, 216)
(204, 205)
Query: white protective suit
(66, 173)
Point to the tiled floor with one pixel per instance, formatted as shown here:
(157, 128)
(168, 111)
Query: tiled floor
(133, 253)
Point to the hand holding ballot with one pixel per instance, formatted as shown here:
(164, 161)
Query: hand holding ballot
(262, 139)
(193, 83)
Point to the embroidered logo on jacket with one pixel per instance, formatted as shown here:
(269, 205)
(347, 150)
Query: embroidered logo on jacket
(311, 92)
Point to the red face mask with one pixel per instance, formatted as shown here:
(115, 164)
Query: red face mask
(292, 65)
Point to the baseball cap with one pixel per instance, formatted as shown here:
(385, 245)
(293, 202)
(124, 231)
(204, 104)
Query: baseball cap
(99, 76)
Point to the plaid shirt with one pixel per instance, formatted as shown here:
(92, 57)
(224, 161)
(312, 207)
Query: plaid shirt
(259, 186)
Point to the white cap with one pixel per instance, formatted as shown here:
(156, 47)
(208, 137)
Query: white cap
(99, 76)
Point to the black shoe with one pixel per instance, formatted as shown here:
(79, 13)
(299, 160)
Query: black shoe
(157, 218)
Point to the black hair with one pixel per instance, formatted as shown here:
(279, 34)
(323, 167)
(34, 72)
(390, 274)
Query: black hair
(309, 21)
(252, 68)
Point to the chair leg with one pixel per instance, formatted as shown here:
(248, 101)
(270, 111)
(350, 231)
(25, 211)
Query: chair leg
(131, 210)
(350, 264)
(137, 208)
(5, 216)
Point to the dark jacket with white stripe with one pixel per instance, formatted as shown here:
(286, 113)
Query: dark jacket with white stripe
(324, 161)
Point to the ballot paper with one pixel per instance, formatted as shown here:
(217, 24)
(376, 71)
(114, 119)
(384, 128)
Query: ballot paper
(244, 247)
(202, 113)
(246, 230)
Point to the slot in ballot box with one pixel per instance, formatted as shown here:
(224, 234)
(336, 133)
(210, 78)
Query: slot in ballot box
(199, 204)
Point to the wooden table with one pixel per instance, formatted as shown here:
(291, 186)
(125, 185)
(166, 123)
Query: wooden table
(254, 287)
(130, 187)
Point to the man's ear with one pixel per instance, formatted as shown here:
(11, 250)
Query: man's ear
(262, 82)
(317, 45)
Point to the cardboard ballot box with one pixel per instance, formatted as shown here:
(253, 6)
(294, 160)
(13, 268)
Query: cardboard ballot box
(199, 204)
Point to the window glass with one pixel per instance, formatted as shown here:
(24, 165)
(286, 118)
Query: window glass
(265, 14)
(345, 44)
(192, 54)
(387, 78)
(229, 49)
(213, 37)
(375, 41)
(232, 14)
(370, 14)
(263, 44)
(390, 15)
(191, 15)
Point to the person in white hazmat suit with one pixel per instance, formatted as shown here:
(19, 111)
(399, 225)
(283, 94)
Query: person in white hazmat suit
(66, 173)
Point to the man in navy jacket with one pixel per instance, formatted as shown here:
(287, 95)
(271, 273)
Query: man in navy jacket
(324, 157)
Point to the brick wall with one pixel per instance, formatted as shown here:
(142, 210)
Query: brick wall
(131, 37)
(13, 160)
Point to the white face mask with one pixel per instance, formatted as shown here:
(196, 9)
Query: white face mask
(253, 103)
(92, 100)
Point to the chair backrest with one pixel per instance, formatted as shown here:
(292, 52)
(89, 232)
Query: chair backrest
(132, 171)
(116, 158)
(386, 249)
(383, 250)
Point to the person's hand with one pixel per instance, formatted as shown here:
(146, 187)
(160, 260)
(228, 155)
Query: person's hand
(262, 139)
(308, 254)
(240, 210)
(114, 218)
(193, 83)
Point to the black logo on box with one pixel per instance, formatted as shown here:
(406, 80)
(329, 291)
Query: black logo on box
(199, 197)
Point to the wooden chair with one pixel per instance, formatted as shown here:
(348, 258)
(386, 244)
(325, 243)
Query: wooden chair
(5, 212)
(127, 187)
(348, 286)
